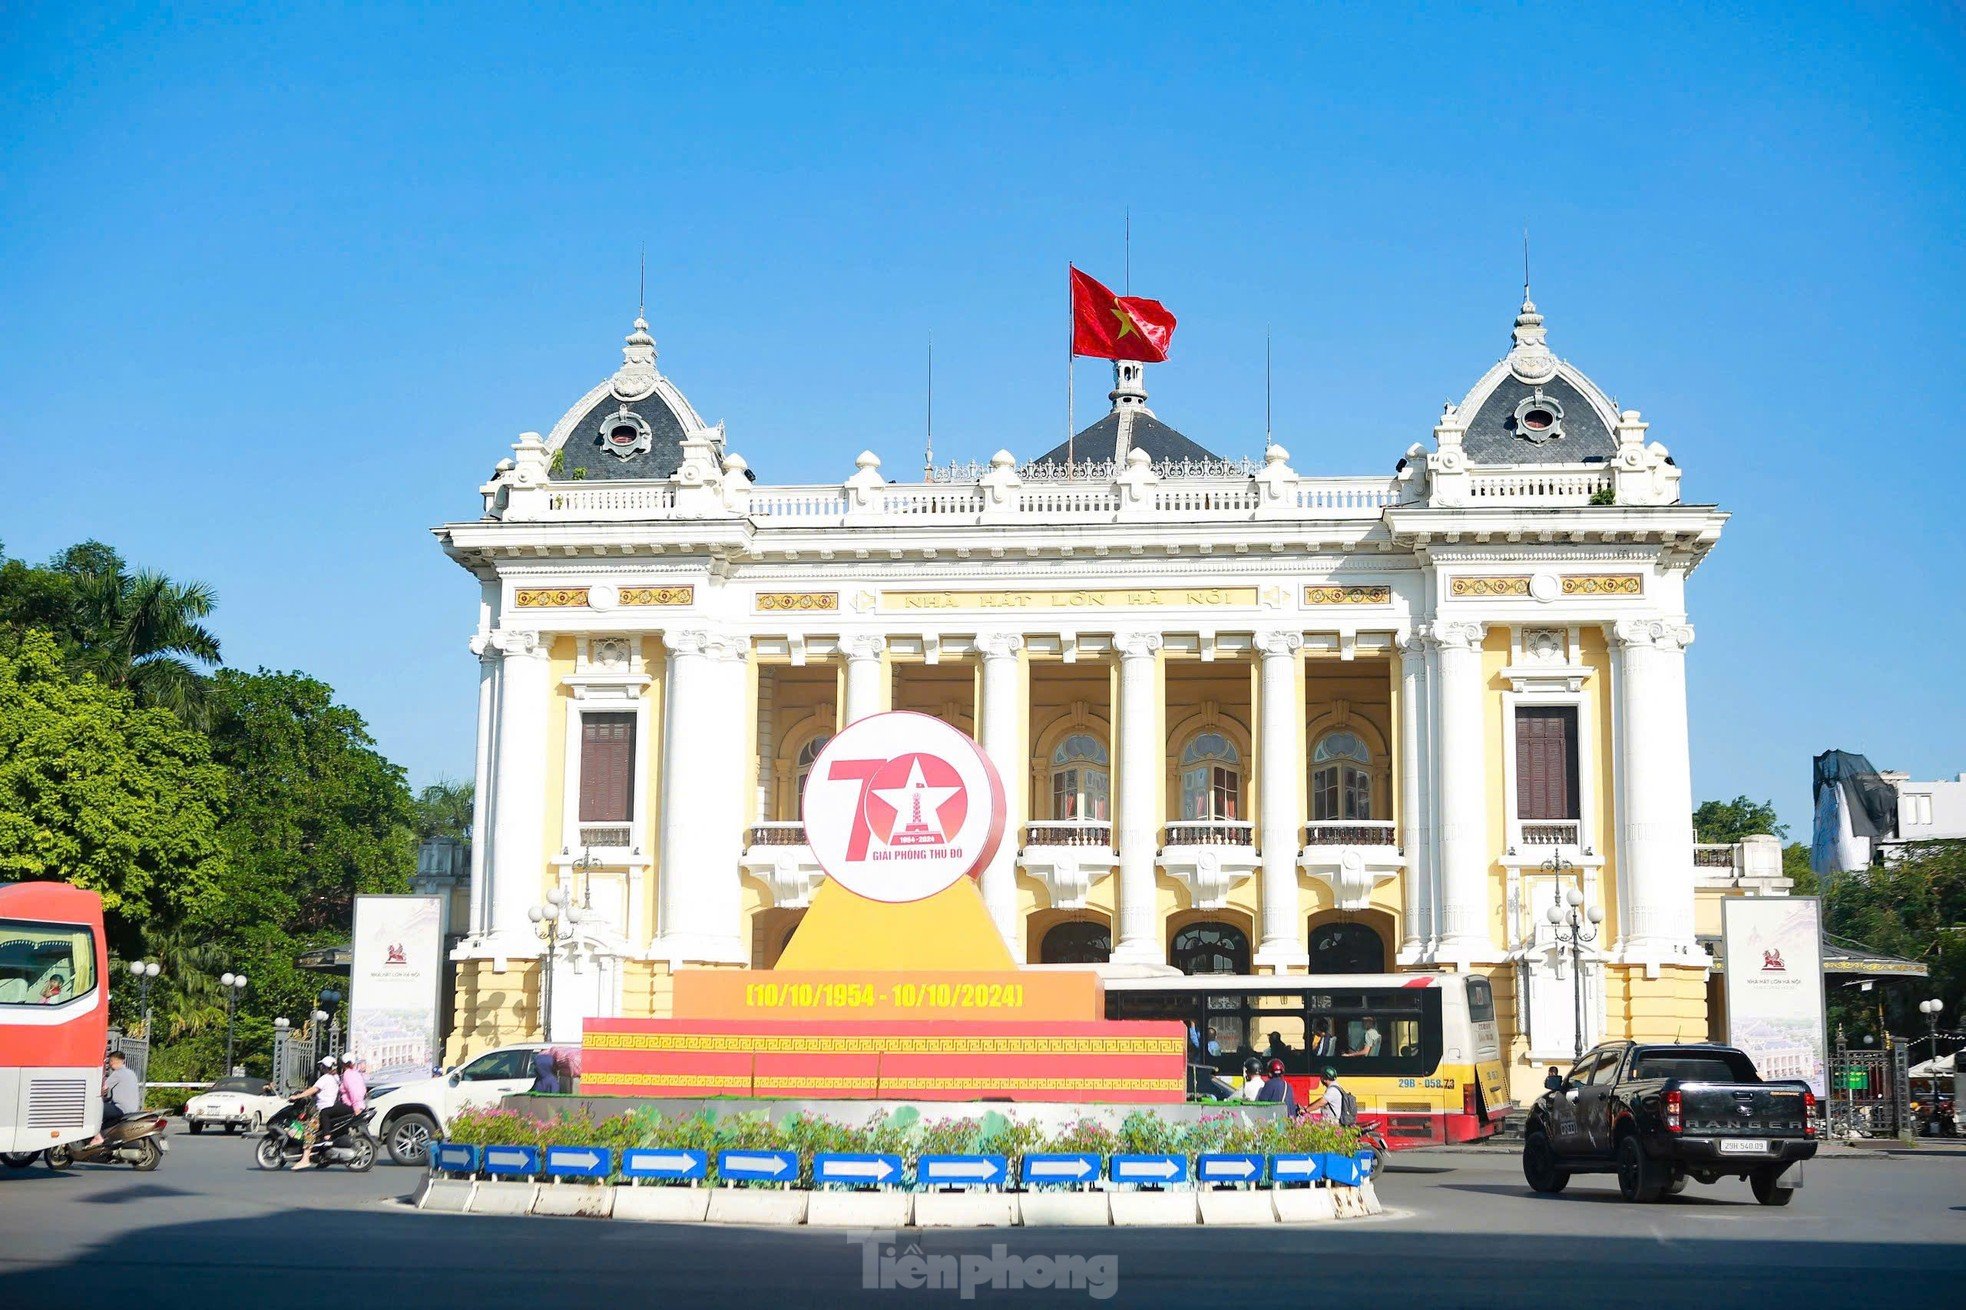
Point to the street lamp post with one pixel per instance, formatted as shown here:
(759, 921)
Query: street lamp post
(317, 1029)
(234, 983)
(1930, 1009)
(145, 972)
(1575, 928)
(329, 999)
(553, 923)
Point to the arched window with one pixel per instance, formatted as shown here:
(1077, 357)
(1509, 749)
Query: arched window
(1343, 947)
(1081, 782)
(1211, 778)
(1210, 948)
(1341, 778)
(1076, 942)
(802, 769)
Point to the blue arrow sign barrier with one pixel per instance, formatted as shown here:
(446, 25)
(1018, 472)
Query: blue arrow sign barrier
(665, 1165)
(1301, 1167)
(453, 1158)
(1341, 1169)
(579, 1162)
(758, 1166)
(1229, 1168)
(961, 1170)
(1060, 1167)
(851, 1170)
(1368, 1163)
(1149, 1170)
(523, 1160)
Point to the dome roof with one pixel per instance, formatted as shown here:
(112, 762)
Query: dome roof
(1129, 426)
(632, 425)
(1533, 408)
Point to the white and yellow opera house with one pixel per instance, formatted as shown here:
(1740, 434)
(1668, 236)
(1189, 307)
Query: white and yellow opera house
(1251, 720)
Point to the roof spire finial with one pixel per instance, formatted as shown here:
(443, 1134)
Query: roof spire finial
(642, 294)
(1530, 358)
(637, 375)
(1525, 263)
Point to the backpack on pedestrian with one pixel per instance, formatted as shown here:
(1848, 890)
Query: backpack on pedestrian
(1347, 1108)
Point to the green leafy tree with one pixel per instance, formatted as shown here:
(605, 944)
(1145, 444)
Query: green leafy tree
(1915, 907)
(98, 792)
(1726, 822)
(443, 809)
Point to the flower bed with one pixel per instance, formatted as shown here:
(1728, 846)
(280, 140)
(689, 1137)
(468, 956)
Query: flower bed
(909, 1136)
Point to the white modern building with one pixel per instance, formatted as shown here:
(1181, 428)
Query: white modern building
(1253, 717)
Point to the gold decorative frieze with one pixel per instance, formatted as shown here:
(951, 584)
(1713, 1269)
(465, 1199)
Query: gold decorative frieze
(1348, 595)
(658, 595)
(797, 601)
(1603, 584)
(1489, 587)
(549, 598)
(1117, 599)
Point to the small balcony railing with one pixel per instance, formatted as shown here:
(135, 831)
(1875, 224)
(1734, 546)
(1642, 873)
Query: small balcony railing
(1209, 832)
(1709, 856)
(792, 833)
(1350, 832)
(1094, 833)
(1551, 832)
(606, 834)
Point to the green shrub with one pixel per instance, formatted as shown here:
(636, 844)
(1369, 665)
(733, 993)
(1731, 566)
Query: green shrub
(1145, 1133)
(1012, 1141)
(947, 1137)
(1084, 1135)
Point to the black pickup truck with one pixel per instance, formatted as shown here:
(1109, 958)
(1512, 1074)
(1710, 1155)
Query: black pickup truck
(1659, 1115)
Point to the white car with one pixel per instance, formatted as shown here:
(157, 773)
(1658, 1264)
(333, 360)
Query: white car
(233, 1104)
(408, 1118)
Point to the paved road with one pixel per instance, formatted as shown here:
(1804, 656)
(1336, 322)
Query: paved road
(208, 1230)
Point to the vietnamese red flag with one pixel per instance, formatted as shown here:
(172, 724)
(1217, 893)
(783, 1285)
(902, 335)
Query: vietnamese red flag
(1118, 327)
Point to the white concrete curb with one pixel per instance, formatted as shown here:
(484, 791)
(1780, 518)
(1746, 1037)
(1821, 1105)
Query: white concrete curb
(828, 1209)
(1155, 1209)
(1236, 1208)
(578, 1201)
(965, 1210)
(503, 1198)
(662, 1205)
(739, 1205)
(1064, 1210)
(1304, 1205)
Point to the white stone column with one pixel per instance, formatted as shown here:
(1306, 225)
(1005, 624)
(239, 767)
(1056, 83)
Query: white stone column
(518, 816)
(1652, 758)
(1005, 711)
(1141, 765)
(864, 672)
(704, 767)
(1463, 802)
(1415, 824)
(483, 782)
(1281, 770)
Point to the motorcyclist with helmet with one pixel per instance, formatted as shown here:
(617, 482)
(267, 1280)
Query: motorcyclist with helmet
(323, 1091)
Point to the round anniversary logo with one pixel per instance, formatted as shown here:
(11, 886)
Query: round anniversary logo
(899, 806)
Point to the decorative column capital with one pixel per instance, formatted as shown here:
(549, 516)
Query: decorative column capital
(1136, 645)
(999, 645)
(863, 646)
(1454, 636)
(1656, 634)
(1278, 643)
(707, 643)
(520, 641)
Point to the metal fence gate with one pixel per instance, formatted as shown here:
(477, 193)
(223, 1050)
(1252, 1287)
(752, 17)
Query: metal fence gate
(293, 1061)
(1869, 1093)
(135, 1050)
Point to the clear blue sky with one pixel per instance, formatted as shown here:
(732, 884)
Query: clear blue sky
(276, 291)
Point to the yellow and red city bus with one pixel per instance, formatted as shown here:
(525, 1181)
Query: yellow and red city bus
(54, 1015)
(1419, 1051)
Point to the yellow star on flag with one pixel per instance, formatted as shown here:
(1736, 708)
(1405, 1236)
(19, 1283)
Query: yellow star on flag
(1126, 322)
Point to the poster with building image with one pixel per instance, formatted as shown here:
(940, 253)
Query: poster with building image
(393, 983)
(1774, 951)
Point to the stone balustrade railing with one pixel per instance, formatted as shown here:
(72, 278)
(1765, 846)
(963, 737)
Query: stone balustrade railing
(1092, 833)
(1209, 832)
(1352, 832)
(776, 834)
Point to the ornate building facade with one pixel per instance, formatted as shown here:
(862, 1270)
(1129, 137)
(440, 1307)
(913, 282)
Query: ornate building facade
(1249, 719)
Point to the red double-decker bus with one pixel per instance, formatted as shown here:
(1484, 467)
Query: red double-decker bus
(54, 1015)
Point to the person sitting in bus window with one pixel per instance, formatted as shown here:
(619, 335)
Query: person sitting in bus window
(52, 992)
(1369, 1039)
(1324, 1042)
(1278, 1047)
(1276, 1089)
(1252, 1079)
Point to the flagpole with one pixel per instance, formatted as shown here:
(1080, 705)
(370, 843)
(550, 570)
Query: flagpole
(1071, 426)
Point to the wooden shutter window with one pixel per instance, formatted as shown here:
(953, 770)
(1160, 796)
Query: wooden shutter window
(607, 768)
(1546, 762)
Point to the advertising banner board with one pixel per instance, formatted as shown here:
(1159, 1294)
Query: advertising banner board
(1774, 951)
(393, 982)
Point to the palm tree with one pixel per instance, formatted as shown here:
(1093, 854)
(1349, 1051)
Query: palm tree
(142, 631)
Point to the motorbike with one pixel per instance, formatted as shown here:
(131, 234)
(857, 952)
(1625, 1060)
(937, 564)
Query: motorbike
(137, 1141)
(280, 1146)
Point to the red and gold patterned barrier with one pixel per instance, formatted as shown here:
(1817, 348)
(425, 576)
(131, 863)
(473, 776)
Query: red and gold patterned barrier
(979, 1060)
